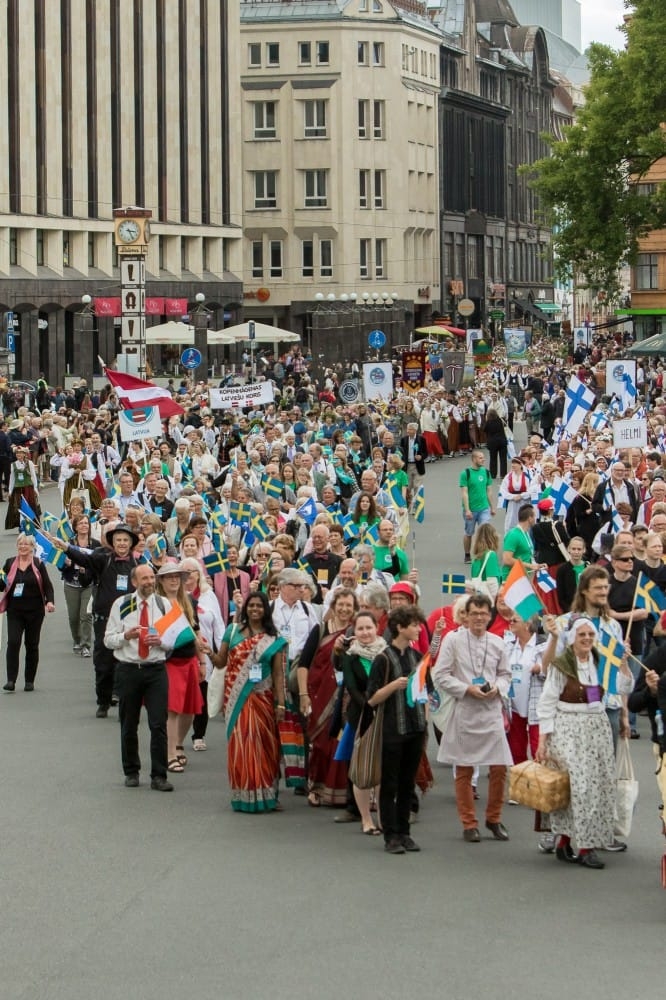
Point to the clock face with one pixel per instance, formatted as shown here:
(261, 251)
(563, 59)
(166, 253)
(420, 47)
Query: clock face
(128, 230)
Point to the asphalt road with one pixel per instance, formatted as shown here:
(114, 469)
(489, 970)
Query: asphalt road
(116, 893)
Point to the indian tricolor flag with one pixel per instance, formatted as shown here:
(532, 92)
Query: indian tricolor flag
(417, 689)
(174, 629)
(518, 593)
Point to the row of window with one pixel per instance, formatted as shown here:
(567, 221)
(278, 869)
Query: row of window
(412, 58)
(462, 256)
(371, 189)
(268, 258)
(371, 119)
(646, 270)
(267, 54)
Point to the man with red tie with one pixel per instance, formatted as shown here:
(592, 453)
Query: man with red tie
(141, 676)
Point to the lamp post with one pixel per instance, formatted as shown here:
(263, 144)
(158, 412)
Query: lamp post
(200, 317)
(348, 312)
(83, 346)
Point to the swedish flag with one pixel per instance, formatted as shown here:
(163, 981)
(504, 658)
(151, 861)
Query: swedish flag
(272, 487)
(649, 595)
(259, 528)
(395, 491)
(216, 562)
(418, 505)
(304, 566)
(611, 651)
(240, 513)
(452, 583)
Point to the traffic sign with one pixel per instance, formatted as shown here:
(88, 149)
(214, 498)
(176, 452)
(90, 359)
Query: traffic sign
(251, 330)
(496, 314)
(377, 339)
(191, 358)
(10, 343)
(466, 307)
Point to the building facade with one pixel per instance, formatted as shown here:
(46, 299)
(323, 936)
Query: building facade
(106, 104)
(648, 276)
(340, 170)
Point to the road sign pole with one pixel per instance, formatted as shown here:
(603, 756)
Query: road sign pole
(251, 332)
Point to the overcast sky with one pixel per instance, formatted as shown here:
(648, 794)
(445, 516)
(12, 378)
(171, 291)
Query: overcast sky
(599, 22)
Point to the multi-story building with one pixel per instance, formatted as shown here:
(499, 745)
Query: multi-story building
(648, 275)
(105, 104)
(497, 101)
(340, 169)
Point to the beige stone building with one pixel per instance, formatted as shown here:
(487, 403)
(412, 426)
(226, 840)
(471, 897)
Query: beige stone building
(340, 169)
(105, 104)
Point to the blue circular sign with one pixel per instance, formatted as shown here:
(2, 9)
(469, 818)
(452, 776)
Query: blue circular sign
(377, 339)
(191, 358)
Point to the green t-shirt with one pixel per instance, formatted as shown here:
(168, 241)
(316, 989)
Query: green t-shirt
(490, 570)
(477, 482)
(384, 560)
(520, 545)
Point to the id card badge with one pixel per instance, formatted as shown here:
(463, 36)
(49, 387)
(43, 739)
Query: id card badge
(339, 677)
(18, 590)
(121, 583)
(478, 681)
(232, 607)
(322, 577)
(285, 632)
(255, 673)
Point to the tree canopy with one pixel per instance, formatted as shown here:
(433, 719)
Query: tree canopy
(588, 186)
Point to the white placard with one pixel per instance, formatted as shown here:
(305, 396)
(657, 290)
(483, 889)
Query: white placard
(378, 380)
(582, 337)
(630, 433)
(231, 396)
(614, 372)
(143, 422)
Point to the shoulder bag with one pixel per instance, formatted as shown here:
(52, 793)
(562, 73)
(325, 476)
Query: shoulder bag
(215, 692)
(365, 766)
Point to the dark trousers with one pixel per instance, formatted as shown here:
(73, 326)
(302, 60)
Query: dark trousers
(495, 451)
(400, 763)
(23, 626)
(147, 685)
(104, 662)
(200, 721)
(5, 471)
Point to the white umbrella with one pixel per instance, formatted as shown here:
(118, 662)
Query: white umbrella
(170, 333)
(215, 337)
(263, 334)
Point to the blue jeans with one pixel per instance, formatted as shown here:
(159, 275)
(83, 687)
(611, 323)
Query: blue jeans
(478, 517)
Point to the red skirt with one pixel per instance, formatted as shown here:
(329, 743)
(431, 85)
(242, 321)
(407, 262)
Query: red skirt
(433, 444)
(184, 692)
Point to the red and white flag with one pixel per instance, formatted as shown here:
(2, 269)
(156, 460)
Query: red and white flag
(134, 393)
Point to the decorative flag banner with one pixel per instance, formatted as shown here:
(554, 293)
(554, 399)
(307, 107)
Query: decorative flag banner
(47, 552)
(649, 595)
(545, 581)
(611, 651)
(579, 399)
(562, 496)
(134, 393)
(452, 583)
(144, 422)
(216, 562)
(413, 370)
(308, 511)
(272, 487)
(629, 391)
(418, 505)
(417, 689)
(518, 593)
(240, 513)
(27, 518)
(174, 629)
(241, 396)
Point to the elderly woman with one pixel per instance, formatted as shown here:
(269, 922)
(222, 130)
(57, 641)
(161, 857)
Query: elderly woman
(575, 734)
(23, 483)
(28, 595)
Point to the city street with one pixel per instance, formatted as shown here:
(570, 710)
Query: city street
(125, 893)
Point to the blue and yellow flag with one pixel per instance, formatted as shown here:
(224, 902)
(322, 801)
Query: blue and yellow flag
(259, 528)
(452, 583)
(216, 562)
(271, 486)
(47, 552)
(240, 513)
(649, 595)
(27, 518)
(418, 505)
(395, 491)
(611, 651)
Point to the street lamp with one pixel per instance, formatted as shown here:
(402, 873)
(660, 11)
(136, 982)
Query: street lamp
(83, 341)
(200, 323)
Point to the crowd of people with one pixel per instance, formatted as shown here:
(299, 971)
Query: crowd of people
(270, 545)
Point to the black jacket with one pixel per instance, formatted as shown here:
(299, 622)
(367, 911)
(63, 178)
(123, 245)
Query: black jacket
(420, 452)
(112, 576)
(599, 500)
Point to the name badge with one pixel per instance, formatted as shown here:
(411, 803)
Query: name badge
(121, 582)
(322, 577)
(232, 607)
(339, 677)
(255, 673)
(18, 590)
(478, 681)
(285, 632)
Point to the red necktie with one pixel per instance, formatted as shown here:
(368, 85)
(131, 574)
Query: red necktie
(143, 625)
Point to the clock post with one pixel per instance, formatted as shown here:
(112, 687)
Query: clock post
(131, 233)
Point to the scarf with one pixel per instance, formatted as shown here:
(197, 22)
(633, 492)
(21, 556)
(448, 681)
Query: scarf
(11, 577)
(376, 647)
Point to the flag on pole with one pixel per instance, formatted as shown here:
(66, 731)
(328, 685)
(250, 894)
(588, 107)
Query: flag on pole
(518, 593)
(27, 518)
(259, 528)
(240, 513)
(649, 595)
(216, 562)
(611, 651)
(64, 531)
(562, 496)
(304, 566)
(134, 394)
(272, 487)
(174, 628)
(598, 420)
(395, 491)
(308, 511)
(629, 391)
(47, 552)
(418, 505)
(370, 534)
(417, 689)
(545, 581)
(579, 399)
(452, 583)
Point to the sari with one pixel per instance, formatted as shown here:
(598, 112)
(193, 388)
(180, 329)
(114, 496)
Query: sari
(253, 751)
(327, 777)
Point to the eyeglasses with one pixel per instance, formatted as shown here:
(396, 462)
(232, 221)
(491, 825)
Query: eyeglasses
(624, 559)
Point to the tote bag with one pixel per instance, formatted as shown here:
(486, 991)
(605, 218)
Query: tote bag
(626, 794)
(365, 766)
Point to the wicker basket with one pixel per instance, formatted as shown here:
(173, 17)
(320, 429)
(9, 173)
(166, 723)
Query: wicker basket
(539, 787)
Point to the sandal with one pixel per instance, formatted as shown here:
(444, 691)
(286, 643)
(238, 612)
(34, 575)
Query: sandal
(313, 800)
(175, 766)
(182, 759)
(372, 831)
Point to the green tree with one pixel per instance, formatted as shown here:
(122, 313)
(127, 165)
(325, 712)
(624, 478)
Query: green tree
(588, 186)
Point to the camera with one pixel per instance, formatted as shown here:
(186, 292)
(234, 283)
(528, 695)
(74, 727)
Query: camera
(485, 687)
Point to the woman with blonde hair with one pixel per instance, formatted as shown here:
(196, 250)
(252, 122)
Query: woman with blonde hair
(211, 625)
(581, 519)
(485, 562)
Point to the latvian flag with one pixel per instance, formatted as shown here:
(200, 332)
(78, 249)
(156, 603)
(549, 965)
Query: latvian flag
(135, 394)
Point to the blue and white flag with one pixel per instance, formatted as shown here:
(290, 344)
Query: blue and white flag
(661, 442)
(598, 420)
(545, 581)
(562, 496)
(579, 400)
(629, 391)
(616, 521)
(308, 511)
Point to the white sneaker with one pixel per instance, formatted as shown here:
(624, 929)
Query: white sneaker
(85, 651)
(76, 648)
(199, 745)
(546, 843)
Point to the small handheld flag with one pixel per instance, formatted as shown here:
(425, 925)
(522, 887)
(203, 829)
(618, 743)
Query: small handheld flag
(216, 562)
(545, 581)
(611, 651)
(308, 511)
(240, 513)
(649, 595)
(272, 487)
(418, 505)
(452, 583)
(518, 593)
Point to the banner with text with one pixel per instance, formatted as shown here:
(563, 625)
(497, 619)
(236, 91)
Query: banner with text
(630, 433)
(413, 370)
(241, 396)
(143, 422)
